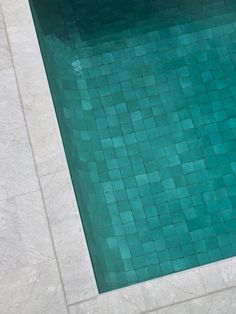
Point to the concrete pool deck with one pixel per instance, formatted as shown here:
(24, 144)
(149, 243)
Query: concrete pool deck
(44, 260)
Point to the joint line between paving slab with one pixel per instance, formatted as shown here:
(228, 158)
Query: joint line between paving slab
(168, 305)
(35, 165)
(189, 300)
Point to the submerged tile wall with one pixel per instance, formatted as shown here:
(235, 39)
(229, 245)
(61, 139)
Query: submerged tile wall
(145, 99)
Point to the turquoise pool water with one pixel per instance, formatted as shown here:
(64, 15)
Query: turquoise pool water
(145, 96)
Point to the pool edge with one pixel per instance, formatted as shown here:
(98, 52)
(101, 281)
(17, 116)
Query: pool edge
(77, 274)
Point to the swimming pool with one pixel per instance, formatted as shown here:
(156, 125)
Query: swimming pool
(144, 93)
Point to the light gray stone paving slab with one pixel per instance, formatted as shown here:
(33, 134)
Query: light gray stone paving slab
(10, 109)
(17, 170)
(16, 163)
(37, 102)
(68, 237)
(34, 289)
(49, 155)
(33, 227)
(59, 199)
(29, 277)
(5, 56)
(12, 254)
(24, 234)
(217, 303)
(19, 8)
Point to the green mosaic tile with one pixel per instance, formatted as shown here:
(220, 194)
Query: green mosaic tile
(145, 97)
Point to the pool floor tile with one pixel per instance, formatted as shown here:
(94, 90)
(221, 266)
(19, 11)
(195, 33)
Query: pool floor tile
(145, 97)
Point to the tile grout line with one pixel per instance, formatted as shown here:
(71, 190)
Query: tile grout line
(35, 165)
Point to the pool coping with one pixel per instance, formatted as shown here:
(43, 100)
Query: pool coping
(77, 275)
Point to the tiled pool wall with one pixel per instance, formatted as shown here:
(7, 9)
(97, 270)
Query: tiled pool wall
(145, 98)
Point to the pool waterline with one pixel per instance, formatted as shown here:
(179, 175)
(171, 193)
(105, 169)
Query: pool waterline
(148, 123)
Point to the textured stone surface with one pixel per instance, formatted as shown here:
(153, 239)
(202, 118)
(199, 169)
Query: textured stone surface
(68, 236)
(5, 56)
(217, 303)
(32, 289)
(29, 276)
(24, 233)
